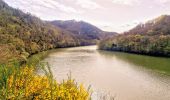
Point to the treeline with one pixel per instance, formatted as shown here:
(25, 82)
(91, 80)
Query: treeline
(22, 34)
(151, 38)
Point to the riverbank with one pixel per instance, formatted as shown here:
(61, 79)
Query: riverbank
(21, 77)
(36, 58)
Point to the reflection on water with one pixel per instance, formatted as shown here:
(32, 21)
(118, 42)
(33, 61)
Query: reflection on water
(162, 65)
(126, 76)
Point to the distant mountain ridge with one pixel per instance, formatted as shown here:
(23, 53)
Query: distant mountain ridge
(83, 29)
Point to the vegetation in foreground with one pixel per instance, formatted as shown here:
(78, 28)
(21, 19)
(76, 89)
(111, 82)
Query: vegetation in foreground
(152, 38)
(23, 83)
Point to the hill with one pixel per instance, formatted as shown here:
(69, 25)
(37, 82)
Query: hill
(83, 29)
(151, 38)
(22, 35)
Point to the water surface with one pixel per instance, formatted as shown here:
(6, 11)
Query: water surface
(125, 76)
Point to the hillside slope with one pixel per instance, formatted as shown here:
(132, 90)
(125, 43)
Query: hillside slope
(151, 38)
(83, 29)
(22, 34)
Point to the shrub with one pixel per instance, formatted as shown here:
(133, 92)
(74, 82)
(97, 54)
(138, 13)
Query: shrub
(23, 83)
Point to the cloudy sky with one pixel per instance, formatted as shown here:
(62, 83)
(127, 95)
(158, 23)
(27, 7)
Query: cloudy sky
(109, 15)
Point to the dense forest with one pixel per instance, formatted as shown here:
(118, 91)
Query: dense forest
(22, 34)
(151, 38)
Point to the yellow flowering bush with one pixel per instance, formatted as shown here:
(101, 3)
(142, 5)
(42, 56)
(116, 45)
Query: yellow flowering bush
(22, 83)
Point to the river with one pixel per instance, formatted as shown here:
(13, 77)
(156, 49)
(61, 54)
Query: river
(122, 75)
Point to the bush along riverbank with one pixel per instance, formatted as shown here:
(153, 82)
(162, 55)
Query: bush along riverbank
(23, 83)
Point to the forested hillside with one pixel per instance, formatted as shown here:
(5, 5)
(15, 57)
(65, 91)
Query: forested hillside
(152, 38)
(22, 34)
(83, 30)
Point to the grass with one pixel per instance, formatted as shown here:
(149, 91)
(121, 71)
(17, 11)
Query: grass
(36, 58)
(23, 83)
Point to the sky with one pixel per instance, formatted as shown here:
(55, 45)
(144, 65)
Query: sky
(109, 15)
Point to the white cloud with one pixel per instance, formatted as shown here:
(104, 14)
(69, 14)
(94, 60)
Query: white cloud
(54, 4)
(87, 4)
(50, 4)
(163, 1)
(126, 2)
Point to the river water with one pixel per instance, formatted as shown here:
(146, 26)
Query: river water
(124, 76)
